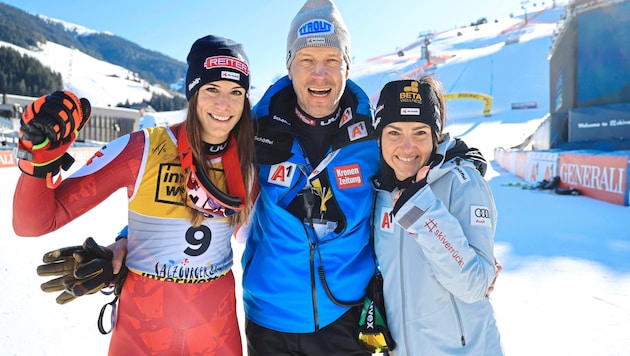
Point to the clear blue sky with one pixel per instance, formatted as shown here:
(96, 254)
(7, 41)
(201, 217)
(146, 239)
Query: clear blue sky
(171, 27)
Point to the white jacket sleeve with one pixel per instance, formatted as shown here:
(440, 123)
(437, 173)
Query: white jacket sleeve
(457, 240)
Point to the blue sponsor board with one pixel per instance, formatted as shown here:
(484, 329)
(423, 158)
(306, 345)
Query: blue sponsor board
(611, 122)
(603, 55)
(524, 106)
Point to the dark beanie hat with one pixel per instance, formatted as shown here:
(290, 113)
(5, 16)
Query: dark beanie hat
(408, 101)
(214, 58)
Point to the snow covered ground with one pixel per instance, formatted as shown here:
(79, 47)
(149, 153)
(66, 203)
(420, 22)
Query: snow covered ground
(564, 290)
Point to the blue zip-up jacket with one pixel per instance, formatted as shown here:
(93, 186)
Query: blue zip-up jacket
(283, 261)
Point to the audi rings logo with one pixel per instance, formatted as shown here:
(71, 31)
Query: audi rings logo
(482, 213)
(480, 216)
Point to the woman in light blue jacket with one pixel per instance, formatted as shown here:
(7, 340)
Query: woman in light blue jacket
(434, 227)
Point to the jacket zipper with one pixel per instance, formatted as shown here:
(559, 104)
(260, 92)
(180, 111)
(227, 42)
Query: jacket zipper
(459, 321)
(402, 287)
(313, 285)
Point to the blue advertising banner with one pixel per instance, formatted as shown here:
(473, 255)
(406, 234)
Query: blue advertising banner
(611, 122)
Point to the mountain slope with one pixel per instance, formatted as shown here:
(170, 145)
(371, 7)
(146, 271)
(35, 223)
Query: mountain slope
(105, 84)
(28, 30)
(504, 60)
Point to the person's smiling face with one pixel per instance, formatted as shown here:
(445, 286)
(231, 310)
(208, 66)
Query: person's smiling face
(319, 77)
(406, 147)
(220, 105)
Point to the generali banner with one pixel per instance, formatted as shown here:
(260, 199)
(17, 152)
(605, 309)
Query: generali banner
(597, 176)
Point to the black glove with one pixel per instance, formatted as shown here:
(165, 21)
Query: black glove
(60, 263)
(82, 269)
(408, 193)
(49, 126)
(54, 117)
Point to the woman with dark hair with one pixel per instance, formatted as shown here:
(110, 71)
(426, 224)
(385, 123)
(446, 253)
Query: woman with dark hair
(434, 226)
(189, 187)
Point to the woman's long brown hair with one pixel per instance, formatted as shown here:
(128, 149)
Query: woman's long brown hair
(439, 93)
(244, 135)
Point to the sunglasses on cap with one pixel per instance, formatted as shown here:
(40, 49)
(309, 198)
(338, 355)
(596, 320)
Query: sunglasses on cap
(204, 196)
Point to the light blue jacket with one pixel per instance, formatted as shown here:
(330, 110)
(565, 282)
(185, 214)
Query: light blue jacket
(436, 256)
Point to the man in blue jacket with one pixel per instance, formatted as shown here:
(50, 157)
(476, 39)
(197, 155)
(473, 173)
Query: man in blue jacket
(308, 257)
